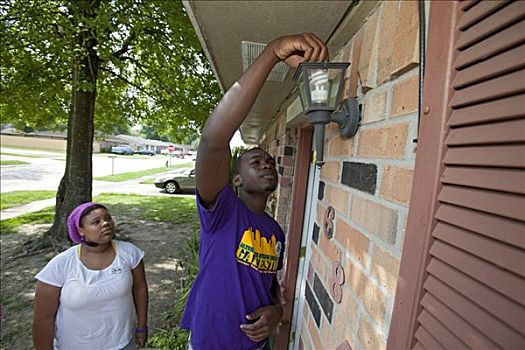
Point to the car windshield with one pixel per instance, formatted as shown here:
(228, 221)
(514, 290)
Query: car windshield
(187, 172)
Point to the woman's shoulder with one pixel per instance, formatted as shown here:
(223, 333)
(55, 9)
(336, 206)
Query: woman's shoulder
(66, 254)
(62, 261)
(128, 253)
(126, 246)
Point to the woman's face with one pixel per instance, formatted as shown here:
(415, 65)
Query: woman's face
(97, 226)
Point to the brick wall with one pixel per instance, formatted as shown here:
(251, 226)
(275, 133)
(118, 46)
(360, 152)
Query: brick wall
(281, 145)
(367, 180)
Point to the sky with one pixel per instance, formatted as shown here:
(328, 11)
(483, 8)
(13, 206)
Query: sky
(237, 141)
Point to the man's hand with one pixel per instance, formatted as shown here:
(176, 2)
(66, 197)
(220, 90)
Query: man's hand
(295, 49)
(266, 320)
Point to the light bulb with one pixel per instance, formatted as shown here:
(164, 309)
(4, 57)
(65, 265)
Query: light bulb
(319, 80)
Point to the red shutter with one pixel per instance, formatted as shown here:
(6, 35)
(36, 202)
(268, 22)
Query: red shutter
(470, 291)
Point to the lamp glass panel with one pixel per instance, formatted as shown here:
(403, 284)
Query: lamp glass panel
(320, 84)
(324, 86)
(303, 92)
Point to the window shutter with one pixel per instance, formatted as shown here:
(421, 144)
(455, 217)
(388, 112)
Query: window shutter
(472, 289)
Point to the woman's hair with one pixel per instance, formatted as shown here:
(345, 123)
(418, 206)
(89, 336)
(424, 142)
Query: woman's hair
(89, 210)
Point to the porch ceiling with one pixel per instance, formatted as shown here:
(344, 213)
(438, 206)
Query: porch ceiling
(223, 25)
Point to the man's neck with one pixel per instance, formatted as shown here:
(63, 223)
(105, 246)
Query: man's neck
(254, 202)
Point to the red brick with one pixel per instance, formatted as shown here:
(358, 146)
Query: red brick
(388, 17)
(397, 184)
(339, 146)
(310, 274)
(354, 241)
(305, 338)
(405, 97)
(406, 47)
(385, 268)
(319, 264)
(288, 171)
(312, 329)
(346, 52)
(327, 338)
(285, 181)
(329, 248)
(287, 161)
(320, 214)
(387, 142)
(331, 171)
(331, 130)
(352, 78)
(368, 293)
(370, 338)
(344, 318)
(374, 104)
(376, 218)
(342, 328)
(337, 198)
(368, 60)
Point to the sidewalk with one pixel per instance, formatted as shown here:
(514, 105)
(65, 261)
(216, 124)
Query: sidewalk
(26, 208)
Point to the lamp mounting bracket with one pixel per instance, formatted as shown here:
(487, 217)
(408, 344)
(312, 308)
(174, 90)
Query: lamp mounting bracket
(348, 117)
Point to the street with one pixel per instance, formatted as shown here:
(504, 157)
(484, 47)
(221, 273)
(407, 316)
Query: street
(47, 168)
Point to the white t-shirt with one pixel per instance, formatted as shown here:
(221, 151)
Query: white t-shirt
(96, 309)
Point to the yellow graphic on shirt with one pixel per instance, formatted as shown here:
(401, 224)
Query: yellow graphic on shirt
(258, 252)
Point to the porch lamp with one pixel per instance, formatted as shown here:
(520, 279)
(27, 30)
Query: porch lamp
(320, 89)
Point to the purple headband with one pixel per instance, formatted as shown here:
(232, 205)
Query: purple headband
(73, 221)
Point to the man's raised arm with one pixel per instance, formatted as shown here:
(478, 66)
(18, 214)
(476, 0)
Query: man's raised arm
(213, 156)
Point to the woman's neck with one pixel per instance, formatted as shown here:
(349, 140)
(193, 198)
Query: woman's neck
(98, 249)
(97, 258)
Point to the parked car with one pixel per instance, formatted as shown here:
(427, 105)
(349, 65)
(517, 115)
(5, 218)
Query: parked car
(145, 152)
(122, 150)
(176, 181)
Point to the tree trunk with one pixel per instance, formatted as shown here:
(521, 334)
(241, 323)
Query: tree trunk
(76, 185)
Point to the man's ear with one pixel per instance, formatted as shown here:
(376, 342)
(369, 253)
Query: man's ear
(237, 180)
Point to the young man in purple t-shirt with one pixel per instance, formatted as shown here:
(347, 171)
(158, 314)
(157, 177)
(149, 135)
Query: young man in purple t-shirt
(234, 302)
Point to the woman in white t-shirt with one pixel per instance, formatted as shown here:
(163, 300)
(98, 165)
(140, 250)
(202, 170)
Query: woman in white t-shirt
(87, 296)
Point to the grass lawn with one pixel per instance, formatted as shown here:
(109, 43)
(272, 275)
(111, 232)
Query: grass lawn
(141, 173)
(151, 208)
(12, 199)
(44, 216)
(12, 162)
(22, 155)
(37, 149)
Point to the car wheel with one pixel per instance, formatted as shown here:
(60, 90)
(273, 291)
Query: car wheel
(172, 187)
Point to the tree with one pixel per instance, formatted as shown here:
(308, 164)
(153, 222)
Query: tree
(96, 64)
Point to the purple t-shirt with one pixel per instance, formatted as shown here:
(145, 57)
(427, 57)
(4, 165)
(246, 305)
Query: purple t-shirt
(240, 252)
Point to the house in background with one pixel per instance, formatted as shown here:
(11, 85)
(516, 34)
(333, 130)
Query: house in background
(412, 235)
(137, 143)
(102, 143)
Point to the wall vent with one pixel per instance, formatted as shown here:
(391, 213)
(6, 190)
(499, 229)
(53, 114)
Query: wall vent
(250, 52)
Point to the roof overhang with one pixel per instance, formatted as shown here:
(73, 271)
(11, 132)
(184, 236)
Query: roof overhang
(223, 25)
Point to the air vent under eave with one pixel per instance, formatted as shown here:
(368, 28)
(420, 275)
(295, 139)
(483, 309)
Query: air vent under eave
(250, 52)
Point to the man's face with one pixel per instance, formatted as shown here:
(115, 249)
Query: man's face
(257, 172)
